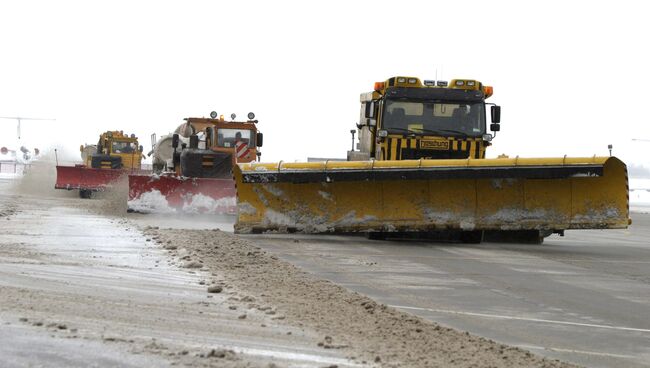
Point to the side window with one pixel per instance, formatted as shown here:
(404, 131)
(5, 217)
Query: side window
(368, 113)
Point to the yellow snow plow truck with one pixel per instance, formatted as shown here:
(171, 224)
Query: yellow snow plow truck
(420, 168)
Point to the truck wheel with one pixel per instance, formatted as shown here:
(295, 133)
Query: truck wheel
(516, 236)
(85, 193)
(376, 236)
(472, 237)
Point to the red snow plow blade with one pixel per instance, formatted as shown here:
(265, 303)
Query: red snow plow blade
(170, 193)
(85, 178)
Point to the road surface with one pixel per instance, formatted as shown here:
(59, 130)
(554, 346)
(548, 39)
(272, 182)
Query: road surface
(80, 288)
(582, 298)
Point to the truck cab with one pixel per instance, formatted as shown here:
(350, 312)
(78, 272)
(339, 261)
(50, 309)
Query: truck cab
(115, 150)
(406, 119)
(215, 145)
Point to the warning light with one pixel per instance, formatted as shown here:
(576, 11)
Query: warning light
(487, 91)
(379, 86)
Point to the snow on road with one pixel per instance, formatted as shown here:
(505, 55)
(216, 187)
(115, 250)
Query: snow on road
(80, 288)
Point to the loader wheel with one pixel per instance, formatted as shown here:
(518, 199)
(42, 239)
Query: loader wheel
(85, 193)
(472, 237)
(376, 236)
(516, 236)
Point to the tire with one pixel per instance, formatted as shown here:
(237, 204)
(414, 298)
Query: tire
(376, 236)
(85, 193)
(516, 236)
(471, 237)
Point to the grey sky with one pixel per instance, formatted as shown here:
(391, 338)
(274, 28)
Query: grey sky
(571, 76)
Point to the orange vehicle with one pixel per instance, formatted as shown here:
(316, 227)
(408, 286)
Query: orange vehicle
(194, 166)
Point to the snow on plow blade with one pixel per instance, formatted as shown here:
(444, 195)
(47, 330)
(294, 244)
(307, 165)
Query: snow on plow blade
(423, 195)
(85, 178)
(170, 193)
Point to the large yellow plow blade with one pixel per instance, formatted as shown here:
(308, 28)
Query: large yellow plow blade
(427, 195)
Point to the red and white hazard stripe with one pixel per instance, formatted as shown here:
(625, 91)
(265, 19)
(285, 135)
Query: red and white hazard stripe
(241, 149)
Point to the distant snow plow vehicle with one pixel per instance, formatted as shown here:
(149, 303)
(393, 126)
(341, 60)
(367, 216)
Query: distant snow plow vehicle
(193, 167)
(115, 155)
(420, 168)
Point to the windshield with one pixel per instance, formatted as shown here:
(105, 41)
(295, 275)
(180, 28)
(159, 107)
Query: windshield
(228, 137)
(123, 147)
(434, 118)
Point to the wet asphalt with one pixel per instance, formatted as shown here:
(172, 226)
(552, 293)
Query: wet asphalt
(582, 298)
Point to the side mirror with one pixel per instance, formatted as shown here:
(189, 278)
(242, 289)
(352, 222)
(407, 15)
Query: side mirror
(495, 111)
(141, 148)
(370, 110)
(208, 137)
(194, 141)
(495, 127)
(259, 139)
(175, 141)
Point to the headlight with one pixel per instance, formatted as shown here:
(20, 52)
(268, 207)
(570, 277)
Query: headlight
(487, 137)
(383, 133)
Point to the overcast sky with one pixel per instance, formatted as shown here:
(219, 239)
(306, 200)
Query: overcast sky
(571, 77)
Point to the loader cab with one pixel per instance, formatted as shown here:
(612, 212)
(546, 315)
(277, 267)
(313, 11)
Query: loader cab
(118, 147)
(117, 150)
(215, 145)
(405, 119)
(238, 139)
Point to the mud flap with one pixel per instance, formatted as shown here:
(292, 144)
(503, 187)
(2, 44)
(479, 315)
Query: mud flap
(429, 195)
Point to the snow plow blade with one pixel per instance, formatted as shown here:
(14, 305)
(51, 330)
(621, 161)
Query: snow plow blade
(85, 178)
(170, 193)
(431, 195)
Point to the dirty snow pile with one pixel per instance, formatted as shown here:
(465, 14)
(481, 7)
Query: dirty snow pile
(368, 332)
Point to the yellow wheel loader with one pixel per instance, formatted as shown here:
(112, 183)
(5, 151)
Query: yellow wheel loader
(116, 154)
(420, 168)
